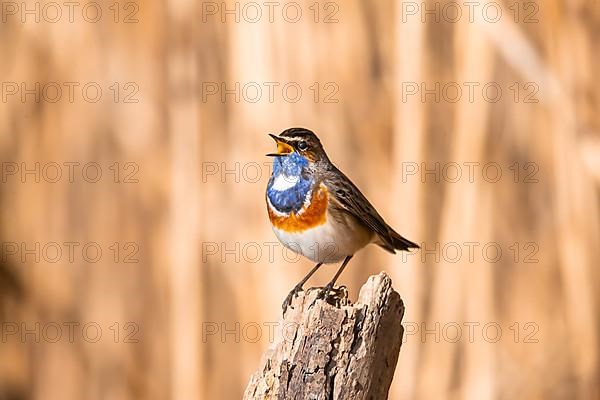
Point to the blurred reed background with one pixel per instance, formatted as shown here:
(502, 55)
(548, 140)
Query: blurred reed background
(207, 279)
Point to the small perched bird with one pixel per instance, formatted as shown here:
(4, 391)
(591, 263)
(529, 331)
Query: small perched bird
(317, 211)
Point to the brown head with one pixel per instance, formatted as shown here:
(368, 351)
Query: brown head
(302, 141)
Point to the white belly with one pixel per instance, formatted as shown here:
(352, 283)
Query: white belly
(328, 243)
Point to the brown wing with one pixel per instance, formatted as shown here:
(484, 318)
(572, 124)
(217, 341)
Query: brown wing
(348, 197)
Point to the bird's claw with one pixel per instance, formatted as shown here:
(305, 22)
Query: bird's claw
(290, 297)
(334, 296)
(323, 294)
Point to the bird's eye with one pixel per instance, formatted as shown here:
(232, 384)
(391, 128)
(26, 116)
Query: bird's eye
(302, 146)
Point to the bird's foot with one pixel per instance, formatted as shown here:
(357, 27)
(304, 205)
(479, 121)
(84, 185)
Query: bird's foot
(288, 300)
(334, 296)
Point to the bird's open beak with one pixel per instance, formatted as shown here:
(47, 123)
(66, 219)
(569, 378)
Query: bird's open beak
(283, 148)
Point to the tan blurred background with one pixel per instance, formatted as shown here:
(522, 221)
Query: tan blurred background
(186, 292)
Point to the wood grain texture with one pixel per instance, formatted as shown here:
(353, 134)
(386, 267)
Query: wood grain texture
(329, 352)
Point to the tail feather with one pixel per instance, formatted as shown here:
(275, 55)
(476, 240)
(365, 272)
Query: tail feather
(401, 243)
(394, 241)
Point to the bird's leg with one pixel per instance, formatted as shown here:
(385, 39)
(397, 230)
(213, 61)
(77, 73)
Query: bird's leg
(294, 292)
(325, 291)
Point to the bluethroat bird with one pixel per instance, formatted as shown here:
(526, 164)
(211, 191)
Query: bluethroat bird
(317, 211)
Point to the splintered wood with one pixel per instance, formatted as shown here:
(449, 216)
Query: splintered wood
(327, 352)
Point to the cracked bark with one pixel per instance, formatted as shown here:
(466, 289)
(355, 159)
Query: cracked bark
(329, 352)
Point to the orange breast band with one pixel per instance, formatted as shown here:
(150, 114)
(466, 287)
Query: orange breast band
(313, 215)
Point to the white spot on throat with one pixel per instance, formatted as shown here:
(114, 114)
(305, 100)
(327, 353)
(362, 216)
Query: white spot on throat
(283, 182)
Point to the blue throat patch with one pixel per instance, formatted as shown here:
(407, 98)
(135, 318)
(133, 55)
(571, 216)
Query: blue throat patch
(290, 167)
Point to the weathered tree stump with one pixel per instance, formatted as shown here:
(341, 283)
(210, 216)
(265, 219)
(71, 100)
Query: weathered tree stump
(324, 351)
